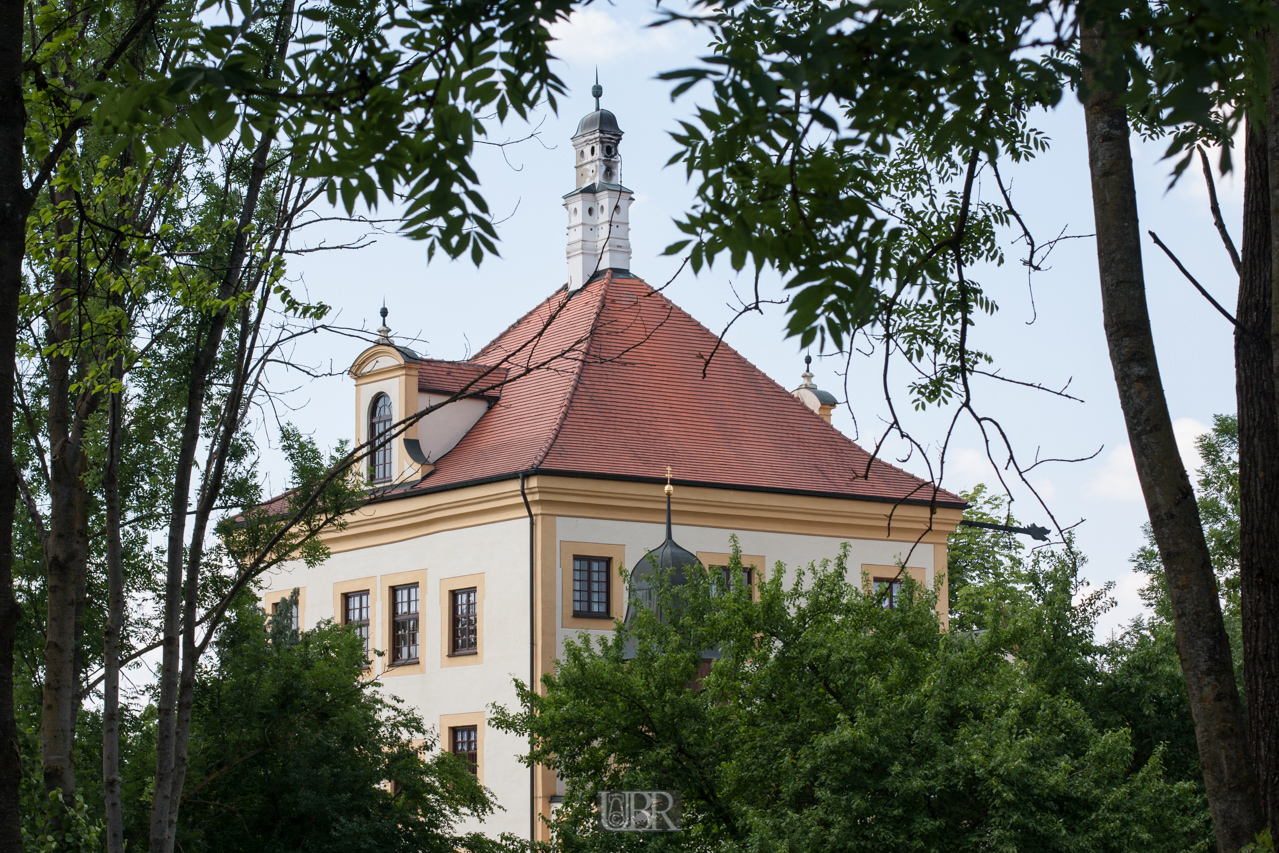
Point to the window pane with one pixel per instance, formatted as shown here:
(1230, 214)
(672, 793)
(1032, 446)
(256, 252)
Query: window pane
(723, 578)
(293, 621)
(357, 615)
(405, 600)
(466, 743)
(890, 590)
(404, 631)
(405, 647)
(379, 423)
(465, 616)
(590, 586)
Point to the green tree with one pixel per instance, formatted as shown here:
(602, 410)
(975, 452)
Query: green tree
(296, 748)
(827, 156)
(1218, 499)
(347, 100)
(831, 722)
(981, 563)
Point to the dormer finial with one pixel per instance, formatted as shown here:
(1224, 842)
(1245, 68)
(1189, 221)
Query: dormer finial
(384, 333)
(821, 402)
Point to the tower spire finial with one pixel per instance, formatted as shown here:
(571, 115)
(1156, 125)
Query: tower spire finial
(597, 89)
(669, 491)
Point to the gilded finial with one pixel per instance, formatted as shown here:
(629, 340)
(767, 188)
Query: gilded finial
(669, 490)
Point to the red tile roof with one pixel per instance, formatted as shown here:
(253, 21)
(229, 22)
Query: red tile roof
(608, 382)
(449, 377)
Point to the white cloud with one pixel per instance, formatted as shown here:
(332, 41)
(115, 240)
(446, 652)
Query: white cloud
(1045, 487)
(1117, 480)
(968, 466)
(596, 35)
(1187, 431)
(1128, 605)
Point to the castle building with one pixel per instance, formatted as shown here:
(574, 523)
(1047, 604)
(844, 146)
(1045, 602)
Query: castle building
(504, 520)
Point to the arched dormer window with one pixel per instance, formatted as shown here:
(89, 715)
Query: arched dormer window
(379, 423)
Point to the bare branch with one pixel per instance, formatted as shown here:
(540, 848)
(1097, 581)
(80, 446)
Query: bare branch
(1036, 385)
(1199, 287)
(1216, 211)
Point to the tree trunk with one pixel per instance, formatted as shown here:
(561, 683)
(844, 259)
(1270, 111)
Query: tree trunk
(111, 795)
(177, 677)
(67, 550)
(175, 723)
(1256, 367)
(1202, 644)
(14, 204)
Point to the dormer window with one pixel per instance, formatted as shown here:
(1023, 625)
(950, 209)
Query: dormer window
(379, 424)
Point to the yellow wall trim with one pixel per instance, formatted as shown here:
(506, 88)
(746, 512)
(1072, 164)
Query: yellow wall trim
(474, 718)
(370, 584)
(270, 599)
(749, 561)
(447, 585)
(614, 500)
(386, 622)
(616, 589)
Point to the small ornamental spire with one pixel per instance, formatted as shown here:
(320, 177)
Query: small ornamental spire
(821, 402)
(669, 491)
(808, 373)
(384, 333)
(597, 89)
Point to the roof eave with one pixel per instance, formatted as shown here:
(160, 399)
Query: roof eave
(418, 489)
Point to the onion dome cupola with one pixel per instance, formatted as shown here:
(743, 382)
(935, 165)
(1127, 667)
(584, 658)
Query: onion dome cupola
(599, 207)
(821, 402)
(669, 559)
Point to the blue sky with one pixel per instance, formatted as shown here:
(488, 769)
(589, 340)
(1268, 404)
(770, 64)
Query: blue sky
(451, 308)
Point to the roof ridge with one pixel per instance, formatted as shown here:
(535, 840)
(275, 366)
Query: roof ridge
(577, 375)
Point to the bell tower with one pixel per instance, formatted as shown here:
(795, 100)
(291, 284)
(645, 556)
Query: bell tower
(599, 208)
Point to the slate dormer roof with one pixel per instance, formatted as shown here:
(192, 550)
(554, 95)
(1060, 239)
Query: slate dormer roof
(607, 382)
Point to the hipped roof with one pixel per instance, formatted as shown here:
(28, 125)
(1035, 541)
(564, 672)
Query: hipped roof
(615, 381)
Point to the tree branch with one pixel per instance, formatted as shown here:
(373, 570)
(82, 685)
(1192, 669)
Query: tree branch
(1216, 211)
(1199, 287)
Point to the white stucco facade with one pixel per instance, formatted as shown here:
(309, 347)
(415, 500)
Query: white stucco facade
(525, 603)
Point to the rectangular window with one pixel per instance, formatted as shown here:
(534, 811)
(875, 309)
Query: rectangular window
(891, 590)
(294, 622)
(590, 587)
(466, 743)
(356, 607)
(723, 577)
(465, 622)
(404, 624)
